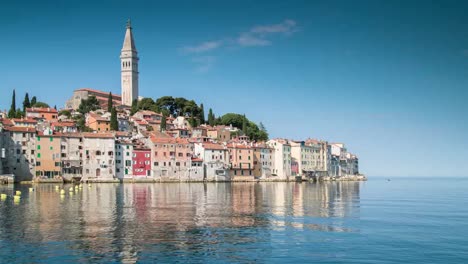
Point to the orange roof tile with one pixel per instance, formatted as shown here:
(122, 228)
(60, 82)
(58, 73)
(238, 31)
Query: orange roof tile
(41, 110)
(98, 135)
(20, 129)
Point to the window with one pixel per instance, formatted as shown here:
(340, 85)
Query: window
(51, 148)
(134, 155)
(155, 164)
(57, 164)
(51, 139)
(147, 162)
(38, 147)
(32, 151)
(38, 163)
(38, 138)
(177, 164)
(147, 155)
(39, 155)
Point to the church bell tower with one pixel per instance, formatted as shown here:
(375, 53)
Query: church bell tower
(129, 68)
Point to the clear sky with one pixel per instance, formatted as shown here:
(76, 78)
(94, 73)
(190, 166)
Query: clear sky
(388, 78)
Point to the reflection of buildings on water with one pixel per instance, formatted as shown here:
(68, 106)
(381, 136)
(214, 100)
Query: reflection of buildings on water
(331, 199)
(122, 220)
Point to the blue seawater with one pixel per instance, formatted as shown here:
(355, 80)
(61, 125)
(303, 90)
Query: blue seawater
(404, 220)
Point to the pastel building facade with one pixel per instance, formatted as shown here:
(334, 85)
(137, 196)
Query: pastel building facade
(215, 161)
(124, 159)
(98, 156)
(241, 161)
(281, 158)
(263, 161)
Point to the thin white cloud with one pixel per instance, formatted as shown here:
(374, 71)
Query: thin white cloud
(288, 26)
(247, 39)
(203, 47)
(257, 36)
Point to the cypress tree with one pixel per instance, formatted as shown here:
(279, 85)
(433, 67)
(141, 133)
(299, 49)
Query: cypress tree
(12, 112)
(109, 103)
(134, 107)
(163, 124)
(244, 125)
(114, 124)
(202, 114)
(33, 101)
(211, 117)
(26, 102)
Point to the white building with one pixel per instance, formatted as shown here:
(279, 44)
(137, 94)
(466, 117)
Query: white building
(129, 68)
(123, 159)
(98, 156)
(215, 160)
(281, 158)
(71, 156)
(18, 155)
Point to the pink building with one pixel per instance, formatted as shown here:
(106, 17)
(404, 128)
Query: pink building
(141, 162)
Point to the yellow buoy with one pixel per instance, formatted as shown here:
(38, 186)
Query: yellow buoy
(3, 196)
(57, 187)
(31, 189)
(62, 192)
(18, 193)
(70, 189)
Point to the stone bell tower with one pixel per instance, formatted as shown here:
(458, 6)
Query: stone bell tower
(129, 68)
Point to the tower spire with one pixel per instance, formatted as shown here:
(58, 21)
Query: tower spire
(129, 67)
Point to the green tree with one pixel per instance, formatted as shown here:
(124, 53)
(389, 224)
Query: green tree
(114, 124)
(12, 112)
(244, 124)
(110, 104)
(66, 113)
(211, 117)
(163, 124)
(19, 113)
(26, 102)
(147, 104)
(88, 105)
(202, 114)
(134, 108)
(41, 104)
(33, 101)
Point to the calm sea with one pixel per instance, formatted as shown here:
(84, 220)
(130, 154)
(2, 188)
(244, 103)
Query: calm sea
(416, 220)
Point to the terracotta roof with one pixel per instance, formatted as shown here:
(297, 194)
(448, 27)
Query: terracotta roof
(98, 135)
(75, 135)
(99, 92)
(20, 129)
(63, 124)
(98, 117)
(41, 110)
(242, 146)
(197, 159)
(169, 140)
(6, 122)
(122, 134)
(24, 120)
(213, 146)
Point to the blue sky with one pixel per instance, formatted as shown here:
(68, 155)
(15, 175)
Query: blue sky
(388, 78)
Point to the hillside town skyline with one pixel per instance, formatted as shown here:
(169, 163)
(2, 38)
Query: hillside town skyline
(101, 137)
